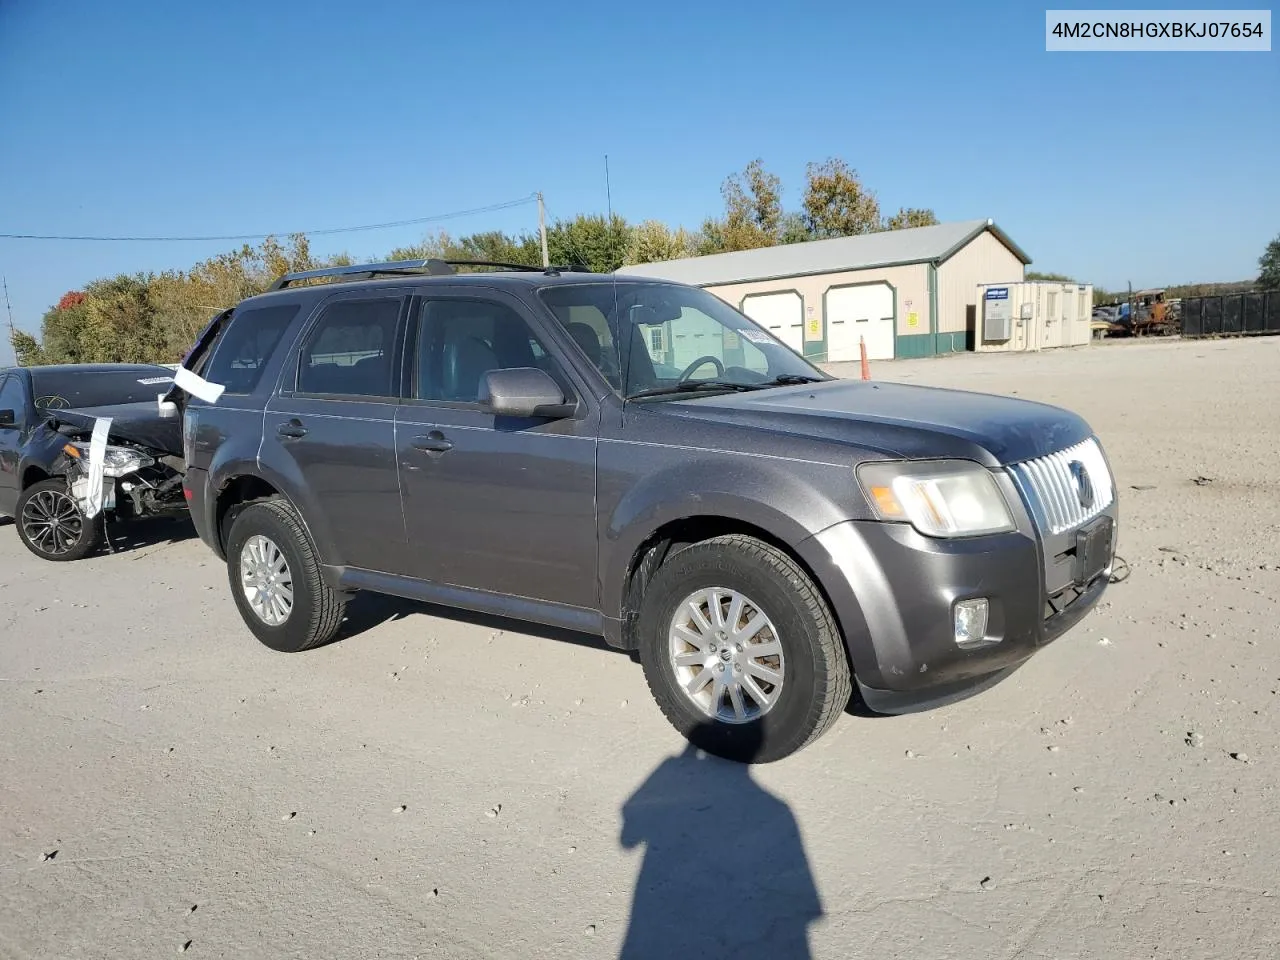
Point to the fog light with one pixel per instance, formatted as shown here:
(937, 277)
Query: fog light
(971, 621)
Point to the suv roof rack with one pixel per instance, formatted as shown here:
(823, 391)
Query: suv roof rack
(432, 266)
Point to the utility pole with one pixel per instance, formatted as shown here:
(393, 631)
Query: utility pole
(542, 230)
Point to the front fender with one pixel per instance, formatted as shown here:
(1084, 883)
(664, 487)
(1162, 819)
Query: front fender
(779, 497)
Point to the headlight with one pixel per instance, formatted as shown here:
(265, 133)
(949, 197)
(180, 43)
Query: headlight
(940, 498)
(116, 462)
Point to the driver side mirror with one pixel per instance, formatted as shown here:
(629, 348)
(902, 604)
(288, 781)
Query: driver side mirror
(8, 418)
(523, 392)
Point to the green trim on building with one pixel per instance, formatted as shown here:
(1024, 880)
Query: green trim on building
(845, 286)
(913, 346)
(932, 273)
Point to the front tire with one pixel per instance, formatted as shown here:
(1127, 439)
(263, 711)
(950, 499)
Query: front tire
(52, 526)
(275, 578)
(741, 651)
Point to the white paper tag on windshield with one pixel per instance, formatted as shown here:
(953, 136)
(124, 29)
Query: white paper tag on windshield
(92, 503)
(756, 336)
(197, 385)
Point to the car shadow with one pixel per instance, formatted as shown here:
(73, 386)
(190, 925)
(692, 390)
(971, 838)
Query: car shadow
(130, 536)
(366, 611)
(725, 872)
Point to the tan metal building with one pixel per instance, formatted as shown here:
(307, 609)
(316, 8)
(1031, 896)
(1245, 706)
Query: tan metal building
(908, 293)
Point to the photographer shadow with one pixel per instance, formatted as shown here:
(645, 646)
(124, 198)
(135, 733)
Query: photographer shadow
(725, 873)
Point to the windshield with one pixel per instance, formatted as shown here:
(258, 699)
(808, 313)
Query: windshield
(61, 389)
(668, 339)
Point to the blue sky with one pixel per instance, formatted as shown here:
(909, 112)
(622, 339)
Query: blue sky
(238, 117)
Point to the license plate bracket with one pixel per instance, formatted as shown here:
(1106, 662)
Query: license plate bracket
(1093, 550)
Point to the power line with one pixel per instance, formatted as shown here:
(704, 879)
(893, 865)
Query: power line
(281, 233)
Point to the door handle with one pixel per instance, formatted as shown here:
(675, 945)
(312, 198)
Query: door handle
(291, 430)
(433, 442)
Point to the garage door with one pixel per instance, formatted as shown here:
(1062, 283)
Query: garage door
(863, 311)
(782, 314)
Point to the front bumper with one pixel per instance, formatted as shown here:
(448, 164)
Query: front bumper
(893, 591)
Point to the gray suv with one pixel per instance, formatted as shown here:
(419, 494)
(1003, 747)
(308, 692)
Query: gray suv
(638, 460)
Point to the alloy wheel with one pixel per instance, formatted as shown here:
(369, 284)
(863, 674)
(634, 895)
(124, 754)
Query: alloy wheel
(726, 655)
(52, 522)
(266, 580)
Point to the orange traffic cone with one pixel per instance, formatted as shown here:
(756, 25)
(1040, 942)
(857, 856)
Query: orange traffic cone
(862, 348)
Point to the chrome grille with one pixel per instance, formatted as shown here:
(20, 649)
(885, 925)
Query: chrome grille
(1053, 493)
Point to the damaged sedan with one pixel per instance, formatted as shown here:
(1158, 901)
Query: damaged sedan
(81, 443)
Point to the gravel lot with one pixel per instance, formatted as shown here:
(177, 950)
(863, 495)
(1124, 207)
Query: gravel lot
(432, 786)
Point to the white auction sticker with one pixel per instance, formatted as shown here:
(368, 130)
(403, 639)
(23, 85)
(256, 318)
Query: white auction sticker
(197, 385)
(92, 504)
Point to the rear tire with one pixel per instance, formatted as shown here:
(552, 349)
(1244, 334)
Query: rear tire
(275, 578)
(792, 675)
(52, 526)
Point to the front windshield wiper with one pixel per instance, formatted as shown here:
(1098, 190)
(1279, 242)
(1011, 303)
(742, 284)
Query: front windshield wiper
(789, 379)
(692, 386)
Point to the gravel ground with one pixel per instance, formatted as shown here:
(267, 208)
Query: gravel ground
(442, 787)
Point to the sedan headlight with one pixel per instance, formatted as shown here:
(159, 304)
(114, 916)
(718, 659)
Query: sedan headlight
(940, 498)
(116, 462)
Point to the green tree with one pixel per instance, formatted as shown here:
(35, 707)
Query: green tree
(155, 318)
(710, 238)
(59, 340)
(908, 217)
(1269, 266)
(836, 204)
(753, 208)
(492, 245)
(653, 241)
(1057, 277)
(438, 247)
(498, 247)
(794, 229)
(27, 351)
(592, 240)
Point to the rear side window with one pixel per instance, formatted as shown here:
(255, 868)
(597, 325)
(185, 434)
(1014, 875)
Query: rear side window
(350, 349)
(248, 343)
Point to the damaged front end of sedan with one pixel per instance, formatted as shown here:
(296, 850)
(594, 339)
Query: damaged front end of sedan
(119, 463)
(127, 465)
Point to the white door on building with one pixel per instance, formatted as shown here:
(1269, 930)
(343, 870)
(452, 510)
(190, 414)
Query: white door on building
(1052, 320)
(782, 314)
(1080, 333)
(862, 311)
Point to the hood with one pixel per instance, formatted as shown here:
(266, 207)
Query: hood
(902, 420)
(140, 423)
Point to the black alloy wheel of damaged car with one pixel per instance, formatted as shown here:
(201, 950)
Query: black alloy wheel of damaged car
(733, 631)
(275, 578)
(52, 526)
